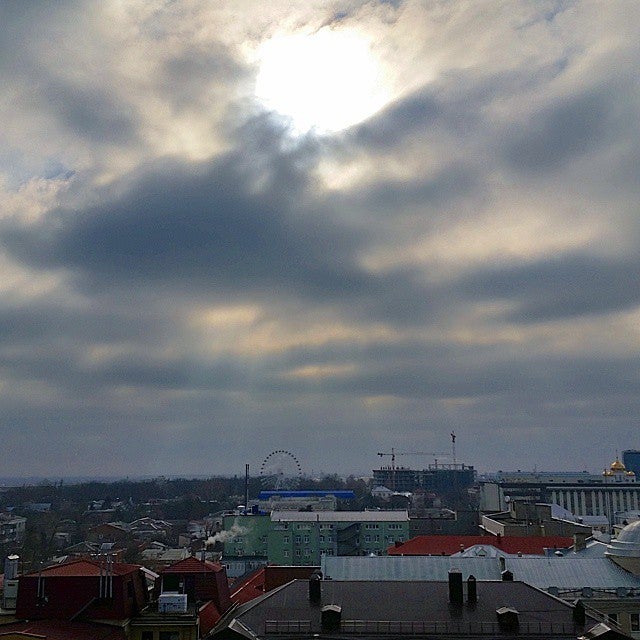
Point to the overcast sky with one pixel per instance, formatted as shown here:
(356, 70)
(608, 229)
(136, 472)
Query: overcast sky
(330, 227)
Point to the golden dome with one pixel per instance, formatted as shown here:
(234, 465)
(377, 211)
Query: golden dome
(630, 473)
(606, 472)
(616, 465)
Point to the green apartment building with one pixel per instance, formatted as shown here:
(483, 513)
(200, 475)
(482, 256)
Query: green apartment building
(301, 538)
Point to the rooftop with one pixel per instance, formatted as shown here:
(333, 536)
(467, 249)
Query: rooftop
(339, 516)
(81, 568)
(396, 609)
(448, 545)
(540, 572)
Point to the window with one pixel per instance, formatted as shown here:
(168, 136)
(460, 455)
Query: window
(285, 540)
(321, 538)
(306, 539)
(146, 635)
(307, 552)
(367, 538)
(285, 553)
(634, 619)
(169, 635)
(297, 539)
(298, 552)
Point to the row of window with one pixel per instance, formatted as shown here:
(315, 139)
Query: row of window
(306, 553)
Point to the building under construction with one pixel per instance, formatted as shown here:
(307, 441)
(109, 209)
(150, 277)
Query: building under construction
(450, 482)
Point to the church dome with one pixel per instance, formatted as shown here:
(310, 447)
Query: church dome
(616, 465)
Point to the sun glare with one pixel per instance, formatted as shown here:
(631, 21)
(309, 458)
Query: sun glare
(325, 81)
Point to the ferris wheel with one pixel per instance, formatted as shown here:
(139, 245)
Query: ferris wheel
(280, 470)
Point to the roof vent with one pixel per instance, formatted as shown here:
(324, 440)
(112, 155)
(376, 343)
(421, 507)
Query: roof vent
(507, 576)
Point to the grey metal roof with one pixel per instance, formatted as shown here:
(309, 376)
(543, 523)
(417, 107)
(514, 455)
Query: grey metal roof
(428, 568)
(571, 573)
(339, 516)
(541, 572)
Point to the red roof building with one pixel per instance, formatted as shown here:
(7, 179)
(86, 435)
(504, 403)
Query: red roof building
(200, 580)
(196, 593)
(82, 589)
(448, 545)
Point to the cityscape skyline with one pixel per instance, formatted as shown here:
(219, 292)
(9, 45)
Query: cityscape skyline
(333, 227)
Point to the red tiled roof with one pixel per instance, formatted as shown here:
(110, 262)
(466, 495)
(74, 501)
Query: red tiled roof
(83, 567)
(209, 616)
(192, 565)
(250, 588)
(448, 545)
(63, 630)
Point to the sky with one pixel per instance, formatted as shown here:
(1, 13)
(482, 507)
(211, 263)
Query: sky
(327, 227)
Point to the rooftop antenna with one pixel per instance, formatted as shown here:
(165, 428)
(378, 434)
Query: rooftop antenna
(453, 448)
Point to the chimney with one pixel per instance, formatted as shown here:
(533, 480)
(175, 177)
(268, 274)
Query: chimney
(507, 576)
(472, 590)
(330, 617)
(579, 541)
(315, 588)
(455, 586)
(579, 613)
(507, 619)
(503, 563)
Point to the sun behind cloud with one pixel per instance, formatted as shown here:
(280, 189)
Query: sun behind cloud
(325, 81)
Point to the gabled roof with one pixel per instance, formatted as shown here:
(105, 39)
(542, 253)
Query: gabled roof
(192, 565)
(448, 545)
(83, 568)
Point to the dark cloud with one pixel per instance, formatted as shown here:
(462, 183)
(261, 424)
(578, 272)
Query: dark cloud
(564, 286)
(560, 133)
(90, 112)
(397, 122)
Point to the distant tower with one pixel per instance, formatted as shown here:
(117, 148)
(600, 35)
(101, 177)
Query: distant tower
(631, 460)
